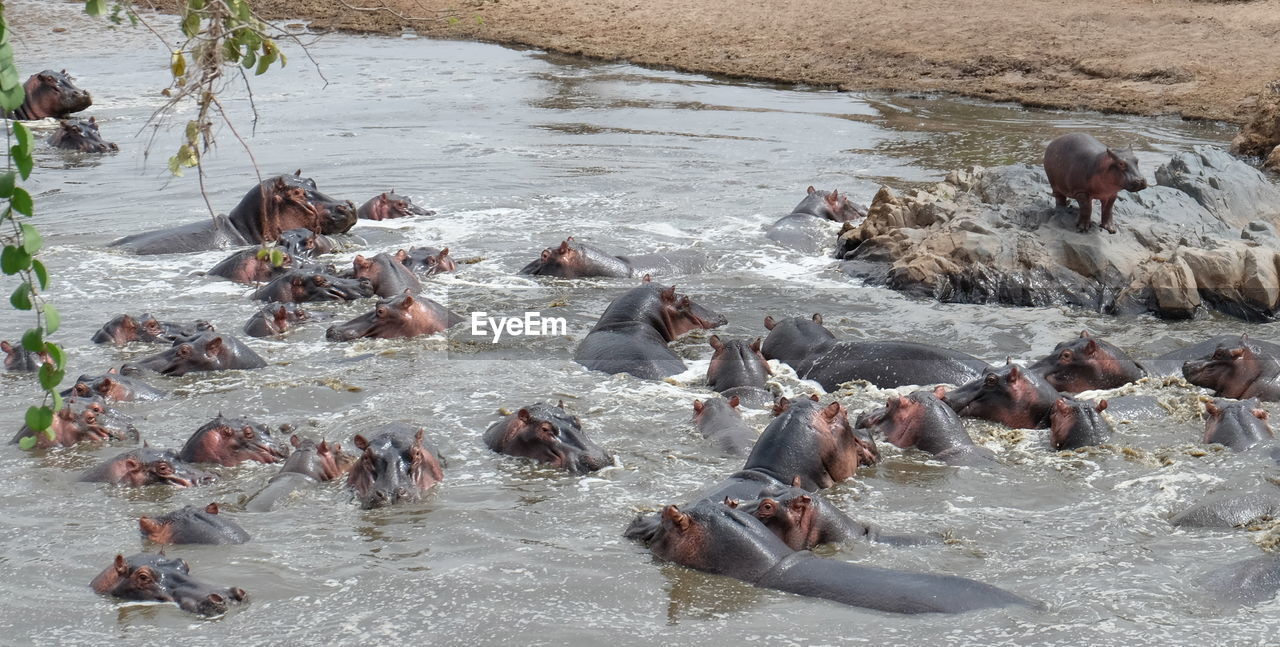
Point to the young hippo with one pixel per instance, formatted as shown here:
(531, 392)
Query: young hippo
(1085, 364)
(253, 265)
(1076, 423)
(632, 334)
(147, 466)
(204, 352)
(738, 370)
(719, 421)
(1236, 424)
(117, 384)
(386, 275)
(804, 520)
(549, 435)
(81, 135)
(308, 464)
(276, 320)
(924, 421)
(386, 206)
(192, 525)
(19, 359)
(1082, 168)
(396, 464)
(123, 329)
(427, 261)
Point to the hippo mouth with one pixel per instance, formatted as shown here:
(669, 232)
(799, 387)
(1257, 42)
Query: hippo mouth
(211, 604)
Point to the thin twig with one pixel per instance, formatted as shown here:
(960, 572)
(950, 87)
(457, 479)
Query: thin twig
(397, 14)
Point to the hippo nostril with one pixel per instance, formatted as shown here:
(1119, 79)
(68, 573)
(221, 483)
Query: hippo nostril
(238, 594)
(401, 492)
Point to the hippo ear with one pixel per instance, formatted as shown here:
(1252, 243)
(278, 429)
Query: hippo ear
(1261, 414)
(295, 441)
(1101, 406)
(1212, 408)
(407, 302)
(212, 508)
(122, 565)
(148, 526)
(646, 279)
(669, 294)
(1237, 353)
(401, 255)
(1061, 405)
(817, 318)
(698, 406)
(940, 392)
(813, 396)
(560, 405)
(1084, 334)
(780, 406)
(213, 346)
(564, 247)
(716, 343)
(323, 447)
(417, 437)
(297, 173)
(734, 402)
(795, 481)
(443, 253)
(545, 256)
(731, 502)
(1015, 373)
(769, 323)
(811, 190)
(1090, 347)
(676, 517)
(361, 443)
(6, 346)
(523, 415)
(757, 344)
(113, 370)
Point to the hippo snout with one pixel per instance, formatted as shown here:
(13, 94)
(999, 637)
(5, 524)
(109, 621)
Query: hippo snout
(1137, 185)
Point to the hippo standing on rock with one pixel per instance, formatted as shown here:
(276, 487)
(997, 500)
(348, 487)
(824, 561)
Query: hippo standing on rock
(1082, 168)
(51, 94)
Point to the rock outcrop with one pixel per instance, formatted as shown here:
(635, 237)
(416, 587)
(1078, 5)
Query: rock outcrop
(1260, 137)
(1205, 236)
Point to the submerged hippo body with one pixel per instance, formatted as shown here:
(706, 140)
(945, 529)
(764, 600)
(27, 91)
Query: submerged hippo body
(1082, 168)
(147, 466)
(1085, 364)
(230, 441)
(547, 434)
(718, 420)
(802, 229)
(388, 276)
(1248, 582)
(1171, 363)
(51, 94)
(737, 369)
(632, 334)
(1231, 509)
(308, 464)
(270, 208)
(1239, 369)
(427, 261)
(1075, 423)
(81, 135)
(796, 341)
(192, 525)
(396, 464)
(573, 259)
(1012, 396)
(204, 352)
(154, 578)
(301, 286)
(123, 329)
(251, 265)
(924, 421)
(276, 320)
(715, 538)
(1239, 425)
(402, 316)
(390, 205)
(119, 385)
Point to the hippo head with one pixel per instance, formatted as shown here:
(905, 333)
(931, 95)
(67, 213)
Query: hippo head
(203, 352)
(712, 537)
(389, 205)
(191, 525)
(123, 329)
(736, 363)
(392, 468)
(302, 242)
(1122, 170)
(427, 261)
(289, 202)
(112, 385)
(1238, 425)
(81, 135)
(18, 358)
(1231, 370)
(1012, 396)
(1087, 363)
(53, 94)
(920, 419)
(402, 316)
(568, 261)
(835, 206)
(679, 314)
(789, 512)
(285, 316)
(1076, 423)
(153, 578)
(550, 435)
(231, 441)
(812, 442)
(322, 461)
(147, 466)
(298, 286)
(795, 339)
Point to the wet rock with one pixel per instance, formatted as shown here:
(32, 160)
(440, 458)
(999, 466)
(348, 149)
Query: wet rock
(1261, 135)
(1202, 238)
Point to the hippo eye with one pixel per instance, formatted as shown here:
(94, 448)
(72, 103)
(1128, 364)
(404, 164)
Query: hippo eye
(164, 469)
(550, 430)
(248, 432)
(1065, 356)
(321, 281)
(90, 418)
(991, 380)
(766, 507)
(1222, 353)
(381, 311)
(142, 575)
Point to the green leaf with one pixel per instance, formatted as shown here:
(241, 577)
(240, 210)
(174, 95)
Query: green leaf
(21, 200)
(42, 274)
(191, 24)
(31, 240)
(39, 418)
(33, 340)
(23, 162)
(55, 353)
(21, 297)
(264, 64)
(195, 5)
(50, 377)
(57, 401)
(175, 168)
(283, 60)
(95, 7)
(27, 442)
(23, 135)
(249, 60)
(192, 132)
(277, 257)
(52, 320)
(178, 64)
(14, 259)
(12, 98)
(8, 180)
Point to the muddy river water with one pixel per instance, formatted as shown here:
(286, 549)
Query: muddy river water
(516, 150)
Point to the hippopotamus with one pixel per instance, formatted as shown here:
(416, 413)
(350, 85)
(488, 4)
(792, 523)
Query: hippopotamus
(1012, 396)
(1077, 423)
(427, 261)
(147, 466)
(1082, 168)
(51, 94)
(1170, 363)
(816, 355)
(231, 441)
(803, 520)
(573, 259)
(19, 359)
(397, 464)
(275, 320)
(153, 578)
(304, 243)
(719, 421)
(1247, 582)
(271, 207)
(798, 229)
(632, 334)
(308, 464)
(252, 265)
(204, 352)
(118, 384)
(402, 316)
(390, 205)
(714, 538)
(737, 369)
(192, 525)
(1236, 424)
(924, 421)
(812, 442)
(81, 135)
(81, 419)
(298, 286)
(1238, 370)
(388, 276)
(123, 329)
(547, 434)
(1231, 509)
(1087, 363)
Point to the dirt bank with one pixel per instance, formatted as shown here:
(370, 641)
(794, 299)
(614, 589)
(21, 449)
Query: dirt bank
(1197, 59)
